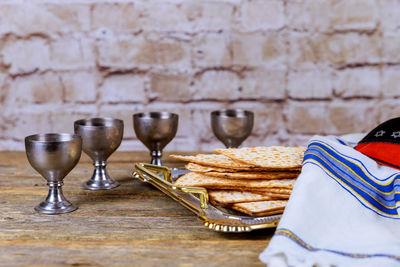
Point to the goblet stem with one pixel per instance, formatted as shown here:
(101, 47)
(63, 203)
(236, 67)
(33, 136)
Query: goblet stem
(156, 157)
(100, 171)
(55, 202)
(100, 178)
(229, 144)
(55, 193)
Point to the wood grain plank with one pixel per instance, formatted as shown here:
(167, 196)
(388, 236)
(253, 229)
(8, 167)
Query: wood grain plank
(132, 225)
(133, 253)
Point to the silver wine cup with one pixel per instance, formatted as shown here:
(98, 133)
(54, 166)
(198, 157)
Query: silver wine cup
(100, 137)
(155, 130)
(54, 156)
(232, 126)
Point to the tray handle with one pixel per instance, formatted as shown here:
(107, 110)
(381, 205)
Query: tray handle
(166, 182)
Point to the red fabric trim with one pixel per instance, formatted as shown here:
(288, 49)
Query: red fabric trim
(384, 153)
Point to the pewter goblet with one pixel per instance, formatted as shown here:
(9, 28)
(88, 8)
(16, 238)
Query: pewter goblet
(100, 137)
(232, 126)
(54, 156)
(155, 130)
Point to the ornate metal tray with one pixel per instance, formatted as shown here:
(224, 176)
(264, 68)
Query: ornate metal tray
(196, 200)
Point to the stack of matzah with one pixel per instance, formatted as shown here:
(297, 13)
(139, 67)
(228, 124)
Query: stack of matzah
(254, 180)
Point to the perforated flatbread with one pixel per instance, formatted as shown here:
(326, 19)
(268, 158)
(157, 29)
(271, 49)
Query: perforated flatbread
(223, 197)
(274, 157)
(201, 180)
(281, 191)
(202, 168)
(254, 175)
(261, 208)
(229, 173)
(216, 160)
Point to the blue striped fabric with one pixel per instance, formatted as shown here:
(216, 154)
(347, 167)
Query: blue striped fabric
(379, 195)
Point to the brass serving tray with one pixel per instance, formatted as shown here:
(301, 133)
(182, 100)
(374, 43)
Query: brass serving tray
(196, 200)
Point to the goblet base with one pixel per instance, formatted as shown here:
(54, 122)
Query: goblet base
(55, 207)
(100, 185)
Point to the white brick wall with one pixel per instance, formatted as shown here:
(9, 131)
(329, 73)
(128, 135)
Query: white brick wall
(304, 67)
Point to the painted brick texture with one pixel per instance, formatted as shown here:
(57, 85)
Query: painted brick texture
(304, 67)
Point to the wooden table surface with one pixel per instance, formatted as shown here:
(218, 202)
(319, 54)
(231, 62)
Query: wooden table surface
(132, 225)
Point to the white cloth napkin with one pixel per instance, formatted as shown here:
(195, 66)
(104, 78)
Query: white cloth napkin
(344, 211)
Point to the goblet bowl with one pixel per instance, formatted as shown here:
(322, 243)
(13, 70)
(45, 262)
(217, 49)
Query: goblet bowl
(232, 126)
(155, 130)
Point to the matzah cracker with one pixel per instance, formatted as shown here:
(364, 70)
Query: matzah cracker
(223, 197)
(281, 191)
(230, 173)
(254, 175)
(266, 213)
(202, 168)
(274, 157)
(201, 180)
(216, 160)
(261, 208)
